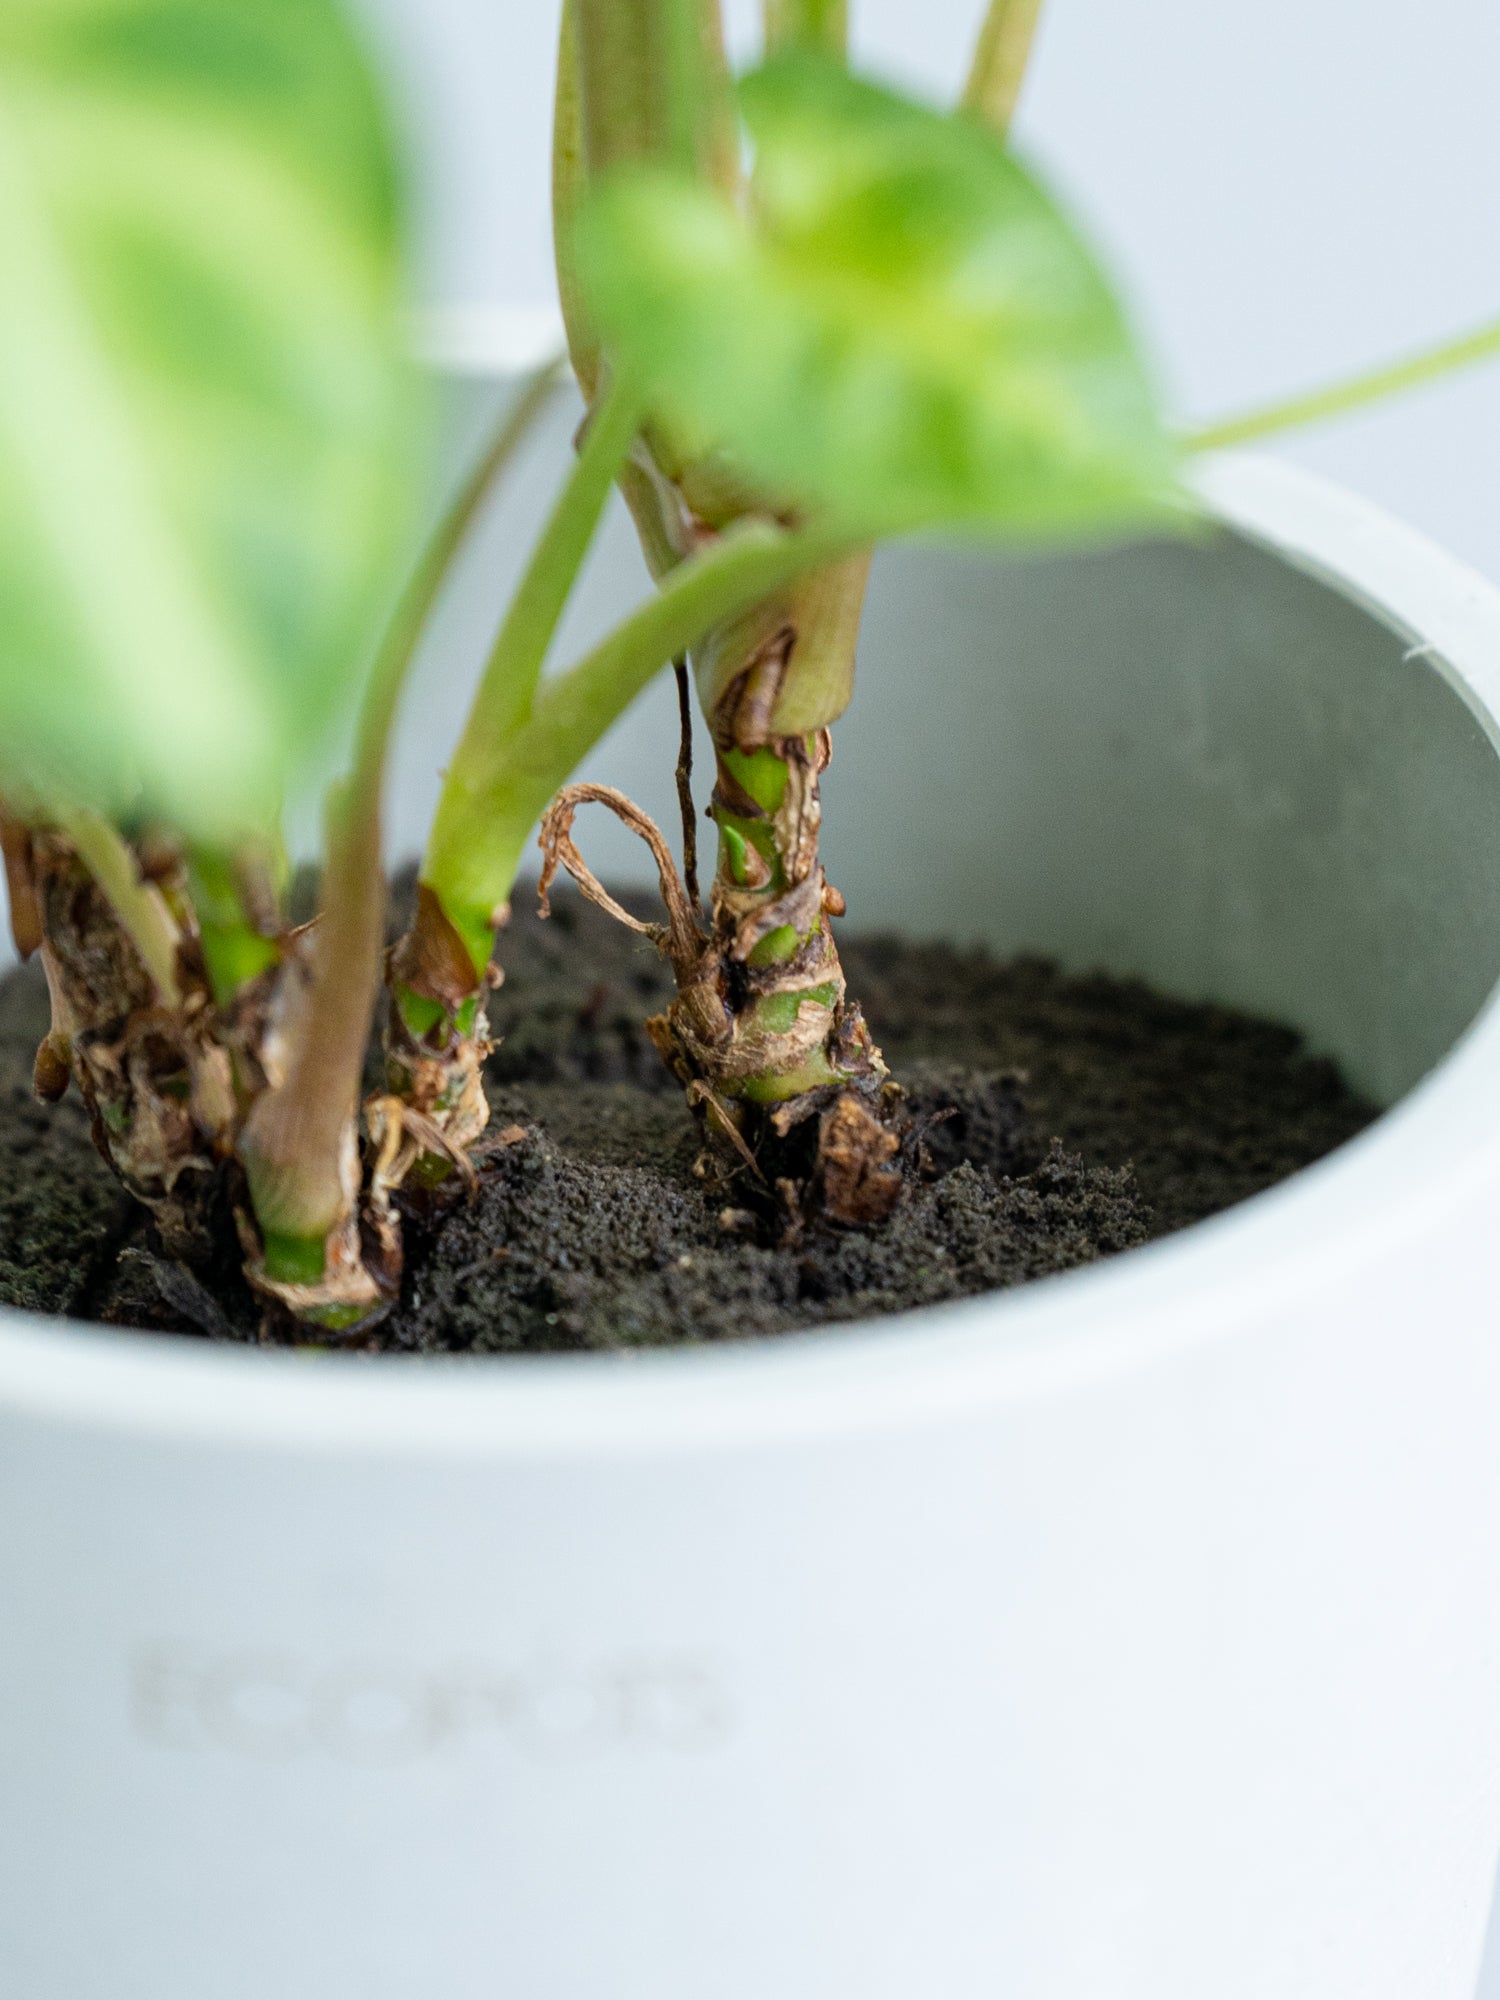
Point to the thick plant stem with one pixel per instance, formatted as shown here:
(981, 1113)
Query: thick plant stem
(642, 83)
(300, 1143)
(300, 1147)
(763, 1033)
(763, 1030)
(132, 1026)
(793, 1062)
(654, 84)
(771, 685)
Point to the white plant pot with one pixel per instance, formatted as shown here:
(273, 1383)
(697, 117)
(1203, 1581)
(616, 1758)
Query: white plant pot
(1133, 1638)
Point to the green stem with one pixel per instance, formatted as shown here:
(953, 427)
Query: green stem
(620, 97)
(638, 82)
(393, 662)
(570, 186)
(297, 1136)
(139, 905)
(684, 73)
(482, 827)
(435, 1034)
(655, 86)
(506, 692)
(1001, 58)
(1340, 397)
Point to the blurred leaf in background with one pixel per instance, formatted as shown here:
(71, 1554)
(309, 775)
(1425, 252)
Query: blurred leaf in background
(207, 432)
(903, 330)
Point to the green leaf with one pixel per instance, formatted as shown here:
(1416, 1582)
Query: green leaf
(819, 23)
(206, 429)
(904, 331)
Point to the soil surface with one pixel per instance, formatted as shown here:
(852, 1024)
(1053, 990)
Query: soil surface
(1056, 1120)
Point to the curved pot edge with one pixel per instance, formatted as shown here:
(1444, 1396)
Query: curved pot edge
(1217, 1279)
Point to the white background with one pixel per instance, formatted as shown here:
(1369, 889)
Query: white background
(1290, 190)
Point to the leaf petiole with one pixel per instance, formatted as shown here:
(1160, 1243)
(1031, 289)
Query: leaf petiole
(520, 649)
(482, 828)
(1001, 59)
(1339, 397)
(295, 1144)
(393, 662)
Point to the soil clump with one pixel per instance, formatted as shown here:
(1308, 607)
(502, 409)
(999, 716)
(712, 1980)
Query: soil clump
(1054, 1120)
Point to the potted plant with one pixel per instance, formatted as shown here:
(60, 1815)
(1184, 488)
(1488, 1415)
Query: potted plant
(1132, 1633)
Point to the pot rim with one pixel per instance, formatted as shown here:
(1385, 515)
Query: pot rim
(1225, 1277)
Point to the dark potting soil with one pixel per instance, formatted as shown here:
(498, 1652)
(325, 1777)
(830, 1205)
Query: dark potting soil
(1056, 1120)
